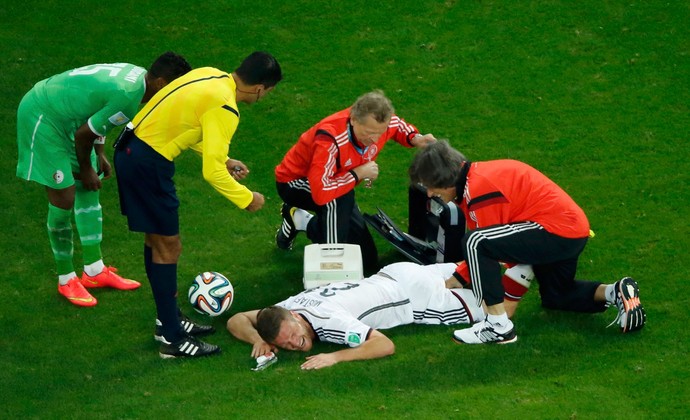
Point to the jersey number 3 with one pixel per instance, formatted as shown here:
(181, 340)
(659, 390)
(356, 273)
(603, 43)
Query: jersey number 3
(330, 291)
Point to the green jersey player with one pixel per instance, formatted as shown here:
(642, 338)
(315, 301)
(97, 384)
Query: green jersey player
(61, 126)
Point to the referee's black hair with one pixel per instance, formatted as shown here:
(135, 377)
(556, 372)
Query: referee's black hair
(260, 68)
(169, 66)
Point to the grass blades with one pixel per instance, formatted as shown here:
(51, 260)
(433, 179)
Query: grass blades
(594, 94)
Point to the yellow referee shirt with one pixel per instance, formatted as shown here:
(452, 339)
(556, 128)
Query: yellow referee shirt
(197, 111)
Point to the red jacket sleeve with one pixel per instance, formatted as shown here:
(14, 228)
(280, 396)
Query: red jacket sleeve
(401, 131)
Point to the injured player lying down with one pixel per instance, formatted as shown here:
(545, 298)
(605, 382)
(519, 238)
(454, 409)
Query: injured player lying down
(352, 313)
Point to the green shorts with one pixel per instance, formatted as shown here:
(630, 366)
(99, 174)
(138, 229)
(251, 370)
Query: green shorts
(46, 147)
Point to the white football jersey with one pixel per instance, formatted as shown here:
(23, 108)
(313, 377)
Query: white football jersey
(401, 293)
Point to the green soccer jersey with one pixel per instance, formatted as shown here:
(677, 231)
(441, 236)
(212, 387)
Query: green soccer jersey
(105, 95)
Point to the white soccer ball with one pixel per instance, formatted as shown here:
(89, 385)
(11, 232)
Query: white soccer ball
(211, 293)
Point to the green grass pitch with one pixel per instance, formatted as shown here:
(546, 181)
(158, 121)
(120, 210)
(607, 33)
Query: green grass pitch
(594, 94)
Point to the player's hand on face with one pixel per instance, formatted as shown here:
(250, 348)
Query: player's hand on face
(257, 202)
(262, 348)
(236, 169)
(319, 361)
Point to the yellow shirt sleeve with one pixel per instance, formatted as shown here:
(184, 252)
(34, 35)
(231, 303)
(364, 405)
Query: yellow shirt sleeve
(218, 125)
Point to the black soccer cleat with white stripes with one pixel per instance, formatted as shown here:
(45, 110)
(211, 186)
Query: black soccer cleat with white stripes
(188, 326)
(187, 347)
(286, 234)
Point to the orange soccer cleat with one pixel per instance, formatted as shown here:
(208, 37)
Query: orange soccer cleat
(108, 278)
(74, 292)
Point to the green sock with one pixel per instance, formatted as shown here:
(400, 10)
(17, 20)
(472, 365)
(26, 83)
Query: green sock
(88, 216)
(60, 234)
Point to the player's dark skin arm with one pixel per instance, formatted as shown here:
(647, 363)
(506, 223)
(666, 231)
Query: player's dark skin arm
(83, 144)
(103, 164)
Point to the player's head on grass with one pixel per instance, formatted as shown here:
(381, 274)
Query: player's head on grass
(285, 329)
(258, 74)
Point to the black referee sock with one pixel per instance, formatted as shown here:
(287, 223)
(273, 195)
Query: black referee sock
(163, 279)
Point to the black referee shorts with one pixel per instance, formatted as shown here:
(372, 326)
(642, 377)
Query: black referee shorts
(147, 191)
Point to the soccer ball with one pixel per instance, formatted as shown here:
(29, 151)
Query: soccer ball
(211, 293)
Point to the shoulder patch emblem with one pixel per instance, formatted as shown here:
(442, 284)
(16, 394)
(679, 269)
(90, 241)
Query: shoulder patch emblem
(118, 119)
(354, 338)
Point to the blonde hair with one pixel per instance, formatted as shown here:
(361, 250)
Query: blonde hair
(374, 103)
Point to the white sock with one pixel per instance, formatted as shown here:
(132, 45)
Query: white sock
(95, 268)
(501, 321)
(301, 219)
(63, 279)
(610, 293)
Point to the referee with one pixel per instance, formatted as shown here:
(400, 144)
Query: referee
(199, 112)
